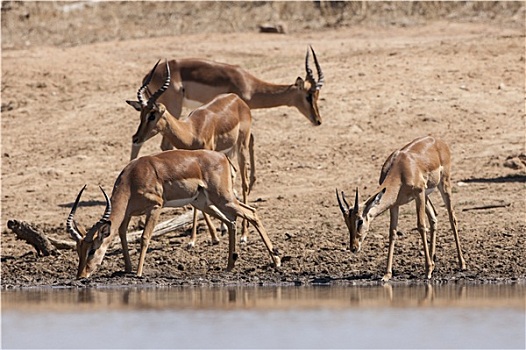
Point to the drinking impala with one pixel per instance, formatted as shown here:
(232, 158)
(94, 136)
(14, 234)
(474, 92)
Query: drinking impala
(169, 179)
(410, 173)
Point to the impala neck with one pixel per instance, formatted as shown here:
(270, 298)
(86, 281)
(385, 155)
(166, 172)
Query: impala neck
(178, 132)
(268, 95)
(388, 200)
(116, 218)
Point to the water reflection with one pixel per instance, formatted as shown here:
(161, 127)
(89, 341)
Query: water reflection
(511, 296)
(424, 316)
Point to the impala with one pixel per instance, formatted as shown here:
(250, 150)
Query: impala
(196, 81)
(221, 125)
(410, 173)
(168, 179)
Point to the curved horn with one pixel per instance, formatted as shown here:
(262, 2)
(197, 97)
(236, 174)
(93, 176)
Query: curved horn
(321, 78)
(140, 92)
(162, 89)
(104, 219)
(107, 211)
(310, 77)
(70, 226)
(344, 211)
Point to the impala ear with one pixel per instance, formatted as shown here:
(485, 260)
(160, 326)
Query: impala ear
(134, 104)
(105, 230)
(373, 201)
(300, 83)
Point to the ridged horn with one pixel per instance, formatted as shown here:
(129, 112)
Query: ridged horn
(70, 225)
(310, 77)
(140, 92)
(321, 78)
(107, 211)
(162, 89)
(104, 219)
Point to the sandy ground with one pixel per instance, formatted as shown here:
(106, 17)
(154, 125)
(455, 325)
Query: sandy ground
(65, 124)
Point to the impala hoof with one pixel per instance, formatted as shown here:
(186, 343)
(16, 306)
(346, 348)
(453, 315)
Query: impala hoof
(277, 261)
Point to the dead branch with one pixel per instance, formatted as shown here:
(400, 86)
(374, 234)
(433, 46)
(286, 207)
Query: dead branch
(163, 227)
(49, 246)
(38, 240)
(489, 206)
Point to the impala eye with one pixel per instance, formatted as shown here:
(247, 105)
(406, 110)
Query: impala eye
(151, 116)
(309, 98)
(360, 222)
(91, 252)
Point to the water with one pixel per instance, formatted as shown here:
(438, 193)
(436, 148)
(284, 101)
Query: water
(491, 316)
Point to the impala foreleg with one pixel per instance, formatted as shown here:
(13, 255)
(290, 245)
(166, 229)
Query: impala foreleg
(151, 221)
(193, 235)
(211, 229)
(432, 218)
(243, 170)
(124, 243)
(392, 238)
(420, 200)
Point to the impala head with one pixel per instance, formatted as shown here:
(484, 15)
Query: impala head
(89, 242)
(307, 102)
(151, 111)
(357, 219)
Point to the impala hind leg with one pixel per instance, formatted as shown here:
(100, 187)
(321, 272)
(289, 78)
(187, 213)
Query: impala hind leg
(445, 190)
(249, 214)
(230, 223)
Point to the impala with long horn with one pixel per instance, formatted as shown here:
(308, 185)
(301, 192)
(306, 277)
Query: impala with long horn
(221, 125)
(175, 178)
(410, 173)
(194, 82)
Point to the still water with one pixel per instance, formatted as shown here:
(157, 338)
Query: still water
(425, 316)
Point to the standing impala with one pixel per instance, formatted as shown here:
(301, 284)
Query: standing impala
(196, 81)
(412, 172)
(221, 125)
(168, 179)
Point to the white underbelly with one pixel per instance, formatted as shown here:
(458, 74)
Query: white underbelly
(176, 203)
